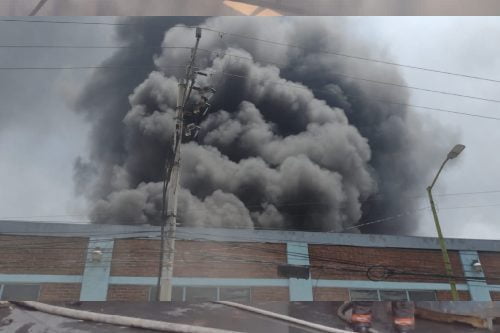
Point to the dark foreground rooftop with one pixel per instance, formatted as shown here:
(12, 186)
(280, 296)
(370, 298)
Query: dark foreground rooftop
(248, 7)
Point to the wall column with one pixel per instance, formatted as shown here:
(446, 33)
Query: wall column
(478, 290)
(96, 274)
(299, 289)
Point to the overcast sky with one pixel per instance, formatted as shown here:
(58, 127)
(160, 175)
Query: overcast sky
(40, 135)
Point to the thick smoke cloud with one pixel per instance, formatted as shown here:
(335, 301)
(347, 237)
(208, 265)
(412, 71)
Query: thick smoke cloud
(289, 142)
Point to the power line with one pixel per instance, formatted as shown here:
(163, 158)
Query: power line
(222, 33)
(138, 262)
(275, 82)
(361, 224)
(43, 46)
(391, 271)
(367, 97)
(433, 109)
(88, 67)
(466, 193)
(278, 204)
(371, 80)
(289, 229)
(247, 58)
(402, 86)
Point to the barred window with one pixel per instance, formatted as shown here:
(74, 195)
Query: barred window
(363, 295)
(235, 294)
(177, 294)
(423, 295)
(204, 294)
(201, 294)
(19, 292)
(393, 295)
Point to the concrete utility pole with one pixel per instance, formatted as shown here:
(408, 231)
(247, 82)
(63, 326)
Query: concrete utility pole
(447, 263)
(164, 292)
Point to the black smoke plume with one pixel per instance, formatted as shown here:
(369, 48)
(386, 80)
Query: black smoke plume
(289, 143)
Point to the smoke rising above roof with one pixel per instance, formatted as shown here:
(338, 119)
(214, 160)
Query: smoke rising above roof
(292, 146)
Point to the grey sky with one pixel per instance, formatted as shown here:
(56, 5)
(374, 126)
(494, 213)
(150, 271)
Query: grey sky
(40, 135)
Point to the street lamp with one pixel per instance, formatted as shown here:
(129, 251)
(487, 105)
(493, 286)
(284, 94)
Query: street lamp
(447, 264)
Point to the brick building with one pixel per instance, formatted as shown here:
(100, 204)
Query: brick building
(67, 262)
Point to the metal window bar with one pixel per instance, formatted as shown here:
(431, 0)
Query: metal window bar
(15, 285)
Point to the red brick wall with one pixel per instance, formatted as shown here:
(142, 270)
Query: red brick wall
(42, 255)
(331, 294)
(270, 294)
(59, 292)
(446, 295)
(200, 259)
(491, 266)
(421, 261)
(128, 293)
(495, 295)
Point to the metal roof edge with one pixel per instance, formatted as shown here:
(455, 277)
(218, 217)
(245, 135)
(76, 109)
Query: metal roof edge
(32, 228)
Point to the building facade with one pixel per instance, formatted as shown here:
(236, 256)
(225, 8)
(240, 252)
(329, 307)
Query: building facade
(89, 262)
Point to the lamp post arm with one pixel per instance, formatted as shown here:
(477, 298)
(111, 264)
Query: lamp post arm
(438, 173)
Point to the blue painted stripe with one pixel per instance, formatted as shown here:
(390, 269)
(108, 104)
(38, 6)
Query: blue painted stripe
(386, 285)
(300, 289)
(478, 290)
(493, 287)
(151, 281)
(96, 274)
(38, 278)
(209, 282)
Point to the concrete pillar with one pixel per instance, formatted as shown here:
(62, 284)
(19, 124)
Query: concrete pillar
(97, 269)
(299, 289)
(478, 290)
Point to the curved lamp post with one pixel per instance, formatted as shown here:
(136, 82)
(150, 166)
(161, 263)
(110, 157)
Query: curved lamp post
(447, 264)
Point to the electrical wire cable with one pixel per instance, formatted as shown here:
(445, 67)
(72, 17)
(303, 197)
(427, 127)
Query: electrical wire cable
(393, 271)
(89, 67)
(361, 224)
(231, 259)
(367, 97)
(283, 204)
(338, 54)
(225, 33)
(246, 58)
(291, 85)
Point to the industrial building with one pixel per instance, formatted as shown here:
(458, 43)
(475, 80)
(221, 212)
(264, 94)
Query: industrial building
(91, 262)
